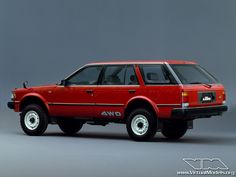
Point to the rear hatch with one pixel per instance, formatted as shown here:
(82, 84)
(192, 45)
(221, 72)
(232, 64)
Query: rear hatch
(199, 88)
(203, 95)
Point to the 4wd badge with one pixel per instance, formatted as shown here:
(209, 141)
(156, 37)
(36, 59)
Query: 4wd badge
(111, 114)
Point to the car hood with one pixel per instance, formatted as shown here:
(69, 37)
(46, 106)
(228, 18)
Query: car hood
(37, 88)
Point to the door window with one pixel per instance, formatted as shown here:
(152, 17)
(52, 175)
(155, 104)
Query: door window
(114, 75)
(86, 76)
(119, 75)
(130, 76)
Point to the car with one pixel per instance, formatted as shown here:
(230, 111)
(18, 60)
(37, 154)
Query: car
(147, 96)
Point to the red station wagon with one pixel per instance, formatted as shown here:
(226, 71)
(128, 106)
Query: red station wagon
(147, 96)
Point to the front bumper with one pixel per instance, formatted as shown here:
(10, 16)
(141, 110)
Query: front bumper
(11, 105)
(198, 112)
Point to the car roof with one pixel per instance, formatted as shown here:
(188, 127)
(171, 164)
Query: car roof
(124, 62)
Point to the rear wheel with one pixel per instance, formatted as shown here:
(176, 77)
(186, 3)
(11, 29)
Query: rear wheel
(141, 124)
(34, 120)
(70, 126)
(174, 130)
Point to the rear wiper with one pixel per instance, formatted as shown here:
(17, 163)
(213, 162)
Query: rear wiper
(205, 84)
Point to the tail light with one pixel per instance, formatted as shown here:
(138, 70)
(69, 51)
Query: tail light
(224, 97)
(185, 100)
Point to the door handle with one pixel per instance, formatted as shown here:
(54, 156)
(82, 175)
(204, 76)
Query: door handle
(89, 91)
(131, 91)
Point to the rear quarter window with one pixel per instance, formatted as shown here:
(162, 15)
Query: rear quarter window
(156, 74)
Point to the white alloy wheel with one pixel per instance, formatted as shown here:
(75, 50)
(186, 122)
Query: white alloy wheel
(31, 120)
(139, 125)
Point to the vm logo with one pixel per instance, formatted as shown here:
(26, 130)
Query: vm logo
(206, 163)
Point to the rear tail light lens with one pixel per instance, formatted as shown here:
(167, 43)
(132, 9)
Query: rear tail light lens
(224, 97)
(185, 99)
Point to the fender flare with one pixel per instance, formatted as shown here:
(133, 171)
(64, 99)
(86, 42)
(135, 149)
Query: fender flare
(37, 96)
(153, 105)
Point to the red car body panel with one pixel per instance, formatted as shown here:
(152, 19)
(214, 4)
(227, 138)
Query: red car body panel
(77, 101)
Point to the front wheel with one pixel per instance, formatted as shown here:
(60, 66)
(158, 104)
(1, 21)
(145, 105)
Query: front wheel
(174, 130)
(70, 126)
(141, 124)
(34, 120)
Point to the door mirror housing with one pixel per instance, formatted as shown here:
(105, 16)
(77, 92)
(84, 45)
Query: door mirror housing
(63, 82)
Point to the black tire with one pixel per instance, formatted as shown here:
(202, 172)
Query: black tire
(70, 126)
(135, 118)
(174, 130)
(33, 120)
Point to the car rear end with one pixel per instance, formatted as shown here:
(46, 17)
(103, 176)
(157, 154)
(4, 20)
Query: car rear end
(202, 94)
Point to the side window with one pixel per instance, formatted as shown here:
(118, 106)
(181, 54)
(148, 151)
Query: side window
(130, 76)
(87, 76)
(114, 75)
(155, 74)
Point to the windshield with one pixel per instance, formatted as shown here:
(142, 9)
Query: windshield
(193, 74)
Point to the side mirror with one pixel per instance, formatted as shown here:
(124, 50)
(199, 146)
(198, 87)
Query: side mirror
(25, 84)
(63, 82)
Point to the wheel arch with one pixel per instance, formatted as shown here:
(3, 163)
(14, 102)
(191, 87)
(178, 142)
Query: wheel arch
(140, 102)
(33, 99)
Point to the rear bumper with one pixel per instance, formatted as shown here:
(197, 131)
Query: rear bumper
(11, 105)
(199, 112)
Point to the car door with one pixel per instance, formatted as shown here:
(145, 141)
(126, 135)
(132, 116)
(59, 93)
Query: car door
(118, 84)
(76, 98)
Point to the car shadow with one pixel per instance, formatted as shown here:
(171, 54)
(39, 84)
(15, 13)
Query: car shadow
(93, 135)
(224, 139)
(201, 139)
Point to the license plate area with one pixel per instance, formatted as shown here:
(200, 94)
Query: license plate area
(207, 97)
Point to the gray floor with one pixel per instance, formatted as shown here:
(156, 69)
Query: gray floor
(108, 151)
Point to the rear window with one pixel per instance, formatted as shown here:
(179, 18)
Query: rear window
(193, 74)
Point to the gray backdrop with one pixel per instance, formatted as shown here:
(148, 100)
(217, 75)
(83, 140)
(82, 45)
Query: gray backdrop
(43, 41)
